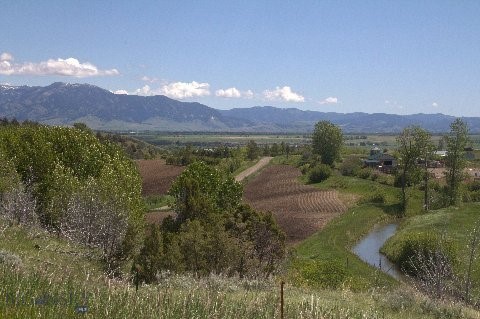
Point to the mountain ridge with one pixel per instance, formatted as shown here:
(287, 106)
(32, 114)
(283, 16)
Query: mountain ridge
(64, 104)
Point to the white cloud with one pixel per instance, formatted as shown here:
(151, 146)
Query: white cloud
(234, 93)
(329, 100)
(63, 67)
(149, 79)
(145, 90)
(248, 94)
(181, 90)
(120, 92)
(229, 93)
(283, 94)
(176, 90)
(435, 104)
(5, 56)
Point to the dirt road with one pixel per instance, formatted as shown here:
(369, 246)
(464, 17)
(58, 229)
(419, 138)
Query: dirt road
(249, 171)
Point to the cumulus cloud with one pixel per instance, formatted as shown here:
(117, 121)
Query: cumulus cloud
(234, 93)
(283, 94)
(182, 90)
(5, 56)
(329, 100)
(230, 93)
(176, 90)
(63, 67)
(120, 92)
(435, 104)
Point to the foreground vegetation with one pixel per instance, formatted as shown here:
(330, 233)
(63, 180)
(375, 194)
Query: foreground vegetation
(217, 258)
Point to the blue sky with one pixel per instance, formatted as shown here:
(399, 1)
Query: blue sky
(400, 57)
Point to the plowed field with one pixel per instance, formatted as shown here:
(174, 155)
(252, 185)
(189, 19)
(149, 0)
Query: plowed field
(300, 209)
(157, 177)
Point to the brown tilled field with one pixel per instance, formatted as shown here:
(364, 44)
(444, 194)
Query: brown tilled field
(300, 209)
(157, 177)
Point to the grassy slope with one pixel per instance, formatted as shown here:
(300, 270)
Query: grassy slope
(456, 223)
(335, 241)
(62, 276)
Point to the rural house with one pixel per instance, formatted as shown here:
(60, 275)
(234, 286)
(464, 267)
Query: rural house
(380, 160)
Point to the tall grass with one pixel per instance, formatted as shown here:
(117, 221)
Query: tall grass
(34, 296)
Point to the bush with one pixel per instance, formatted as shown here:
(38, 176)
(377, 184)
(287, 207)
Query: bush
(350, 166)
(365, 173)
(374, 176)
(319, 173)
(417, 248)
(385, 179)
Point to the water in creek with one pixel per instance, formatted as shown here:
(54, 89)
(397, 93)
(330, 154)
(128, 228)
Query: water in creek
(368, 249)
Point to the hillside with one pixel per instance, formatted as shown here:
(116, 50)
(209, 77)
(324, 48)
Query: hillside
(65, 104)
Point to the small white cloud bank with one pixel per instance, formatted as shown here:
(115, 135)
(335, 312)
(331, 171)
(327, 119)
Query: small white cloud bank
(284, 94)
(234, 93)
(124, 92)
(329, 100)
(435, 104)
(176, 90)
(62, 67)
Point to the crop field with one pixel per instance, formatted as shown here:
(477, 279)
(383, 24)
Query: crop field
(157, 177)
(300, 209)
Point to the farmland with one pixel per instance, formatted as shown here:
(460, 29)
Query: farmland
(300, 209)
(157, 177)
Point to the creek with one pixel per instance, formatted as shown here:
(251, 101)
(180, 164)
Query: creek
(368, 249)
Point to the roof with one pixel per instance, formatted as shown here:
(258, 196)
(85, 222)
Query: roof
(381, 157)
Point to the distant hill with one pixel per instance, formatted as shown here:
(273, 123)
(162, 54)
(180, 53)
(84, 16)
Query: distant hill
(65, 104)
(298, 120)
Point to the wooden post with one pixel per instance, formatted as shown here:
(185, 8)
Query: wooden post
(281, 298)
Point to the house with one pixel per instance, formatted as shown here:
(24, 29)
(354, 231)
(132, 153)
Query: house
(381, 161)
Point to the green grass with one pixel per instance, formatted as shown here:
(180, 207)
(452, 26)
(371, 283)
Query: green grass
(54, 277)
(154, 202)
(33, 296)
(335, 241)
(455, 223)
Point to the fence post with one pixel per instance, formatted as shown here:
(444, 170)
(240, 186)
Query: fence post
(281, 298)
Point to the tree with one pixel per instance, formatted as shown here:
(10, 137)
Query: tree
(202, 190)
(412, 143)
(327, 141)
(253, 151)
(213, 231)
(455, 159)
(149, 262)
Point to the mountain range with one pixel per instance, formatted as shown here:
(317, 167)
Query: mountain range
(64, 104)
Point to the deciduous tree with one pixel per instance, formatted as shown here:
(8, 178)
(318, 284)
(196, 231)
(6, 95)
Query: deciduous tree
(327, 141)
(455, 159)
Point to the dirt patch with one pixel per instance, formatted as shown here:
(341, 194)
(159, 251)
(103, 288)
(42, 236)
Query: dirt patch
(156, 217)
(300, 210)
(157, 176)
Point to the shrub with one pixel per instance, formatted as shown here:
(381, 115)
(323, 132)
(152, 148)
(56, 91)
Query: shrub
(365, 172)
(385, 179)
(418, 248)
(319, 173)
(374, 176)
(350, 166)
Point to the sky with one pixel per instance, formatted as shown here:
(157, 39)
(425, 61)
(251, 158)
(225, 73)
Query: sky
(399, 57)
